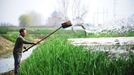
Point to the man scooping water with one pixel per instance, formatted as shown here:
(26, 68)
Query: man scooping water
(18, 49)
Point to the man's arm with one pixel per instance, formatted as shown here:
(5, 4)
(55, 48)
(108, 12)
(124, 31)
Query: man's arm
(26, 42)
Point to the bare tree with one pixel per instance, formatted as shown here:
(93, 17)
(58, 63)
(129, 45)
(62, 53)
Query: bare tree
(78, 10)
(54, 20)
(63, 9)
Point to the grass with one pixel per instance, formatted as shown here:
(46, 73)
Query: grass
(81, 34)
(111, 34)
(3, 30)
(57, 57)
(10, 33)
(13, 35)
(10, 36)
(1, 47)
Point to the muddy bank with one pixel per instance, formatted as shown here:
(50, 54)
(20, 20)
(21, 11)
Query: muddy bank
(6, 46)
(8, 73)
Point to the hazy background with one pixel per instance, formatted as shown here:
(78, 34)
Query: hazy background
(99, 11)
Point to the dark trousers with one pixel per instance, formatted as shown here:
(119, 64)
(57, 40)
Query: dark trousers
(17, 59)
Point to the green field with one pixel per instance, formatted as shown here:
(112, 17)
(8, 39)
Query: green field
(33, 33)
(57, 57)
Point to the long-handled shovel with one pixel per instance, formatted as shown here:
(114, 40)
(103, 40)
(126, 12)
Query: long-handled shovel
(63, 25)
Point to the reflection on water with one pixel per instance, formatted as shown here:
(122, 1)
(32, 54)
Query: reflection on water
(7, 63)
(113, 46)
(113, 51)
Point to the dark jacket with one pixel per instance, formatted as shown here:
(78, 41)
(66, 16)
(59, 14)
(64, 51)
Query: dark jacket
(18, 48)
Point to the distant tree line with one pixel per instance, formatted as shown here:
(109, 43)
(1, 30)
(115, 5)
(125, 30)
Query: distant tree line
(5, 24)
(30, 19)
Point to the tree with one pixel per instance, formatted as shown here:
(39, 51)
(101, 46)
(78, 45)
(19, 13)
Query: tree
(78, 10)
(54, 20)
(29, 19)
(63, 9)
(25, 20)
(36, 18)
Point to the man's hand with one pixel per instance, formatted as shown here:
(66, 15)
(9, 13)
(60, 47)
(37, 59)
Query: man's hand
(24, 47)
(34, 43)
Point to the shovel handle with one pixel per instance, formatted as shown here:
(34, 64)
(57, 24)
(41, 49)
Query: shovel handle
(42, 39)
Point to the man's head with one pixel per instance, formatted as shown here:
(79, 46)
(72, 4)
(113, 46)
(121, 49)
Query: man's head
(22, 32)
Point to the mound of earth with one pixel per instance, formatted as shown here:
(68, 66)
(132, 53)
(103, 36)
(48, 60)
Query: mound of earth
(5, 46)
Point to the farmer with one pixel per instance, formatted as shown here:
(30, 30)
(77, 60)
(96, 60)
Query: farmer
(18, 49)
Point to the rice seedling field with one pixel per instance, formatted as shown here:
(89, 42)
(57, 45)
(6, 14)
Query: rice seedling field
(57, 57)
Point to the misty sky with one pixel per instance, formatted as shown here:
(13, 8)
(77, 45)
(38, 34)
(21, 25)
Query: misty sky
(98, 10)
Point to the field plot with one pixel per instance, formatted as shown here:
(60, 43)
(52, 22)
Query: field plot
(57, 57)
